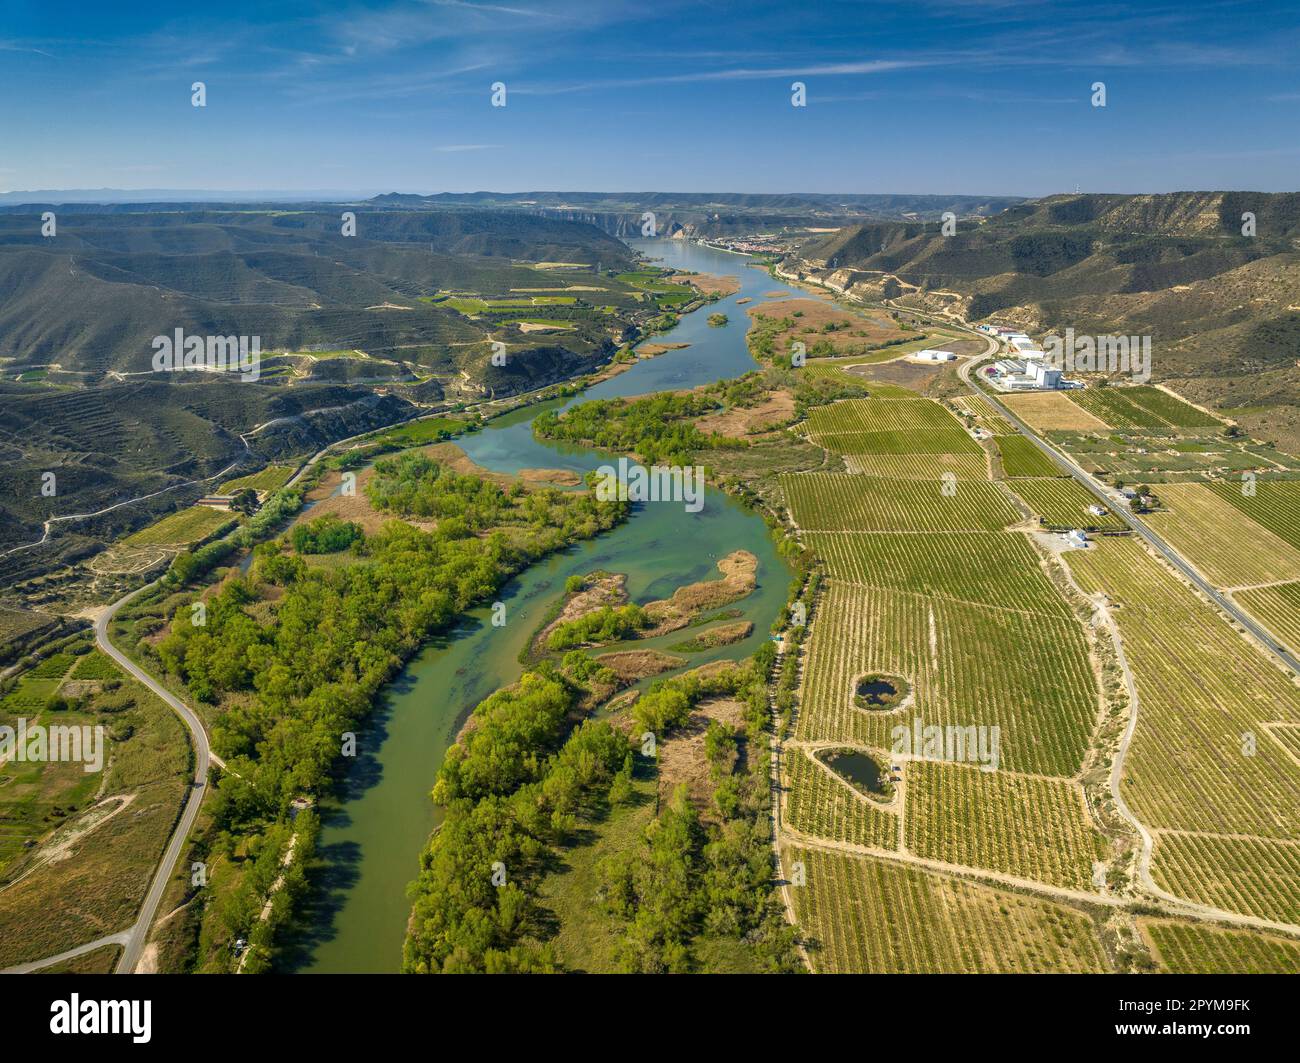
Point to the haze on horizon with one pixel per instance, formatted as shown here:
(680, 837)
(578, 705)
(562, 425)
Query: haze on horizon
(941, 96)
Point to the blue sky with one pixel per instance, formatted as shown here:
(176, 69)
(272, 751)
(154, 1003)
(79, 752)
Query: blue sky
(944, 96)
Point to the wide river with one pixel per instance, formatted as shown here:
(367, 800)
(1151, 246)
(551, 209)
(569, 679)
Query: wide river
(372, 834)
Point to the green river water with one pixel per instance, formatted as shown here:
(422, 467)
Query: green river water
(373, 832)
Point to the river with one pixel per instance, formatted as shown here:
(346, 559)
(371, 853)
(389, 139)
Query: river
(373, 831)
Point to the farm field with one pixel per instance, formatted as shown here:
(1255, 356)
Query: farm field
(1023, 825)
(1052, 411)
(1020, 457)
(819, 804)
(1027, 673)
(1062, 503)
(1260, 878)
(1190, 948)
(882, 415)
(1141, 407)
(986, 413)
(1220, 539)
(931, 468)
(1275, 505)
(868, 915)
(1203, 692)
(985, 568)
(853, 502)
(269, 479)
(181, 528)
(1277, 608)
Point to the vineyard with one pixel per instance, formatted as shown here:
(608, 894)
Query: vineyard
(1189, 948)
(819, 804)
(851, 502)
(1062, 503)
(1021, 825)
(931, 467)
(268, 479)
(869, 915)
(985, 568)
(1257, 877)
(883, 415)
(1200, 759)
(1277, 608)
(1221, 540)
(182, 527)
(979, 407)
(1275, 505)
(1020, 457)
(1142, 407)
(1028, 674)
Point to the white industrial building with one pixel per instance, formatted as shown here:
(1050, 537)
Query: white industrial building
(1030, 374)
(929, 355)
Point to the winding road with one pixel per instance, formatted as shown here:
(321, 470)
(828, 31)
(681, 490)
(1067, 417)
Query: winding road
(136, 936)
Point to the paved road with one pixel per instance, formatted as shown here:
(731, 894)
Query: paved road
(136, 936)
(49, 961)
(1137, 525)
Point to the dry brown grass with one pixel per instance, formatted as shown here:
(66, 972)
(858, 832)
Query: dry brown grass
(739, 421)
(681, 758)
(631, 665)
(1052, 411)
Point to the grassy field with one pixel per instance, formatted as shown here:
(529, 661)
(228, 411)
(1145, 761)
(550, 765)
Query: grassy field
(851, 502)
(819, 804)
(984, 568)
(1220, 539)
(1062, 503)
(1021, 825)
(1026, 673)
(1190, 948)
(426, 430)
(1200, 759)
(268, 479)
(867, 915)
(50, 906)
(180, 528)
(1277, 608)
(1020, 457)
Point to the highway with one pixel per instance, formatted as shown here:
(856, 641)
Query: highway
(1135, 523)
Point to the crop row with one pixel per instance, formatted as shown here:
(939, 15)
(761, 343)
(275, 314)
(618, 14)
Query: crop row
(823, 806)
(866, 915)
(1027, 674)
(851, 502)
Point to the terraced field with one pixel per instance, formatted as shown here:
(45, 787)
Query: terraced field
(1023, 825)
(850, 502)
(1190, 948)
(1062, 503)
(1026, 673)
(1220, 539)
(819, 804)
(986, 568)
(868, 915)
(1277, 608)
(1200, 759)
